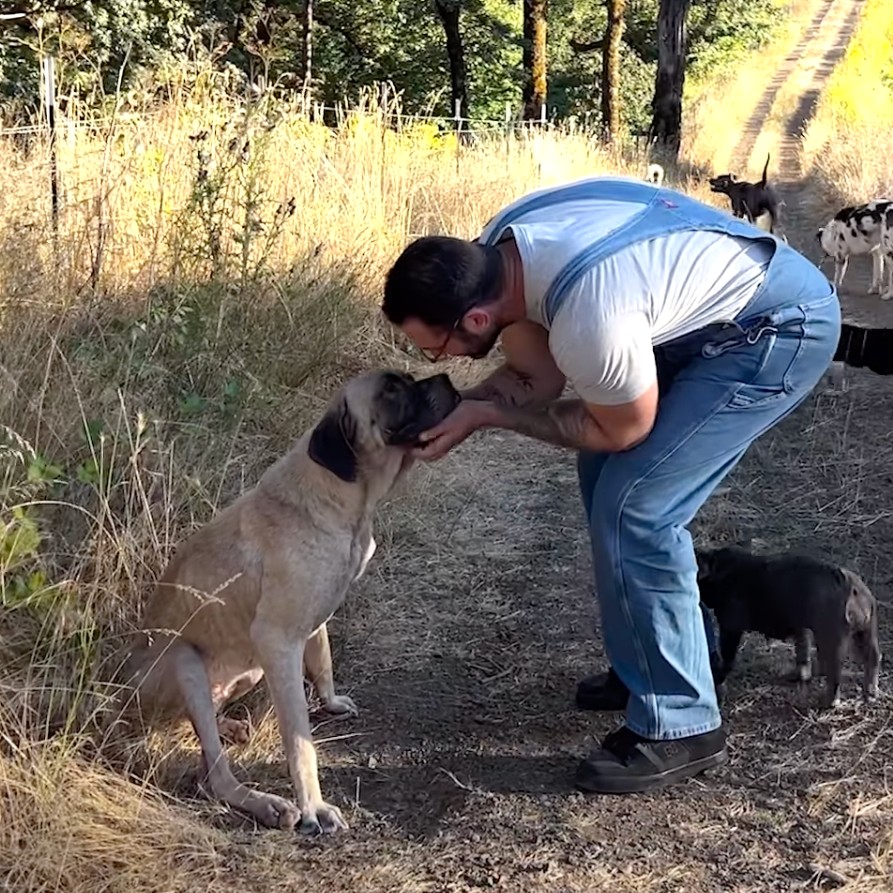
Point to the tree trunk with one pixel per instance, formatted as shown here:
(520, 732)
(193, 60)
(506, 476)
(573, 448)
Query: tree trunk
(611, 70)
(666, 107)
(307, 48)
(448, 12)
(534, 60)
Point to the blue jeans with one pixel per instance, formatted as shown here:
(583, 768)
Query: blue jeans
(722, 387)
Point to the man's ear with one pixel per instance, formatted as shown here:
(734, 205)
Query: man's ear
(476, 320)
(333, 443)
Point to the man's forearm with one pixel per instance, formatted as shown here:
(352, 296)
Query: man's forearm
(508, 387)
(565, 423)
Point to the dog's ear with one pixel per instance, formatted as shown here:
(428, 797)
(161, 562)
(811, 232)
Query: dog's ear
(333, 443)
(859, 603)
(857, 611)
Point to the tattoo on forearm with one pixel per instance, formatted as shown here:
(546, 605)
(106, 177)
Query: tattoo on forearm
(563, 423)
(506, 387)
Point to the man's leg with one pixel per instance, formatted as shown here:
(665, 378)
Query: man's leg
(606, 691)
(603, 691)
(646, 573)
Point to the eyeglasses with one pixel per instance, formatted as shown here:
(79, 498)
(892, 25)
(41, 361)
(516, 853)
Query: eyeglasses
(432, 356)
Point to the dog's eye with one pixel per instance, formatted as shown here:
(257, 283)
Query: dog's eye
(392, 389)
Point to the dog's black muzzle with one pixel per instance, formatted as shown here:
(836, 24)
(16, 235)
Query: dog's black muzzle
(433, 400)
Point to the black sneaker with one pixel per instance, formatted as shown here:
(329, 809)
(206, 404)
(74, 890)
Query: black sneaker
(627, 763)
(604, 691)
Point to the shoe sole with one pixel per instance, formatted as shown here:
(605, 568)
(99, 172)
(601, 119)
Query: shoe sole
(632, 784)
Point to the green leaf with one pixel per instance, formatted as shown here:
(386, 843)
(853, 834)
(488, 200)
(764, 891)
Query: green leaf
(193, 404)
(19, 539)
(41, 471)
(93, 429)
(88, 472)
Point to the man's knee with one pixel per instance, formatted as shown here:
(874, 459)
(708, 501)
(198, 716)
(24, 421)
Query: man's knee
(631, 526)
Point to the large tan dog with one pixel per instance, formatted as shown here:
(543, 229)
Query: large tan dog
(249, 594)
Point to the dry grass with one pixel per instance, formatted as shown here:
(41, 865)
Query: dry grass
(213, 276)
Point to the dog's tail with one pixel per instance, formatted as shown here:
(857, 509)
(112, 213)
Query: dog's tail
(764, 181)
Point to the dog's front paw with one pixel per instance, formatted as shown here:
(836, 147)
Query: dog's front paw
(342, 705)
(323, 819)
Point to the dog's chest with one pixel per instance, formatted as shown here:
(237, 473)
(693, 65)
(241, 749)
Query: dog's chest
(354, 556)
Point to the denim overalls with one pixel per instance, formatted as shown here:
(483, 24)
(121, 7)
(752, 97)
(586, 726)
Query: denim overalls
(720, 388)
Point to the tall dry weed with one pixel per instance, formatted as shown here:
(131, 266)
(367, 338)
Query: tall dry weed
(213, 274)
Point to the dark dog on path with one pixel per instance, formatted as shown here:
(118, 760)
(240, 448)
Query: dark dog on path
(749, 200)
(789, 597)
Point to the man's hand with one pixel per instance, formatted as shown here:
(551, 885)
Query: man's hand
(465, 419)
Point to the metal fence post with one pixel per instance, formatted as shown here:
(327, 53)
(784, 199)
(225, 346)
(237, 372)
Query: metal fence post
(49, 84)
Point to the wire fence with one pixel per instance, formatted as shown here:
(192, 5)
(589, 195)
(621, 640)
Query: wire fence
(67, 149)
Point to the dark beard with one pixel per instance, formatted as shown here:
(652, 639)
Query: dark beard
(477, 347)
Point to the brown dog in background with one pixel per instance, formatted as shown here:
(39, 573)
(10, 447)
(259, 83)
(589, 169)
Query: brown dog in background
(248, 595)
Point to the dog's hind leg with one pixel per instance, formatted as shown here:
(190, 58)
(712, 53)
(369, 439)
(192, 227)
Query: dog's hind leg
(831, 652)
(877, 272)
(801, 656)
(318, 661)
(190, 676)
(840, 268)
(869, 653)
(729, 640)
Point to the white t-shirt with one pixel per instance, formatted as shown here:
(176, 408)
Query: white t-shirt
(602, 337)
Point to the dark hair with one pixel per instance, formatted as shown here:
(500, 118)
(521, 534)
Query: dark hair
(438, 279)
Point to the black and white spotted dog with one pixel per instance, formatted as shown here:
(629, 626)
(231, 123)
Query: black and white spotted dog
(859, 230)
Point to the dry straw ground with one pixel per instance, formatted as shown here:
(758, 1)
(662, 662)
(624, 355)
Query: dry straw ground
(214, 277)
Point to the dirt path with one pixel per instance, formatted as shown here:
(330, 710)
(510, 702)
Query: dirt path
(775, 127)
(464, 644)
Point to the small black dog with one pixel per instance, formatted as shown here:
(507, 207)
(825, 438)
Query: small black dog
(787, 597)
(749, 200)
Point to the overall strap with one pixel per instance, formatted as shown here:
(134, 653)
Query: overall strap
(603, 188)
(668, 212)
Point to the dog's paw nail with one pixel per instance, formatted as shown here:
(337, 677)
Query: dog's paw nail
(310, 826)
(330, 819)
(288, 817)
(342, 704)
(325, 820)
